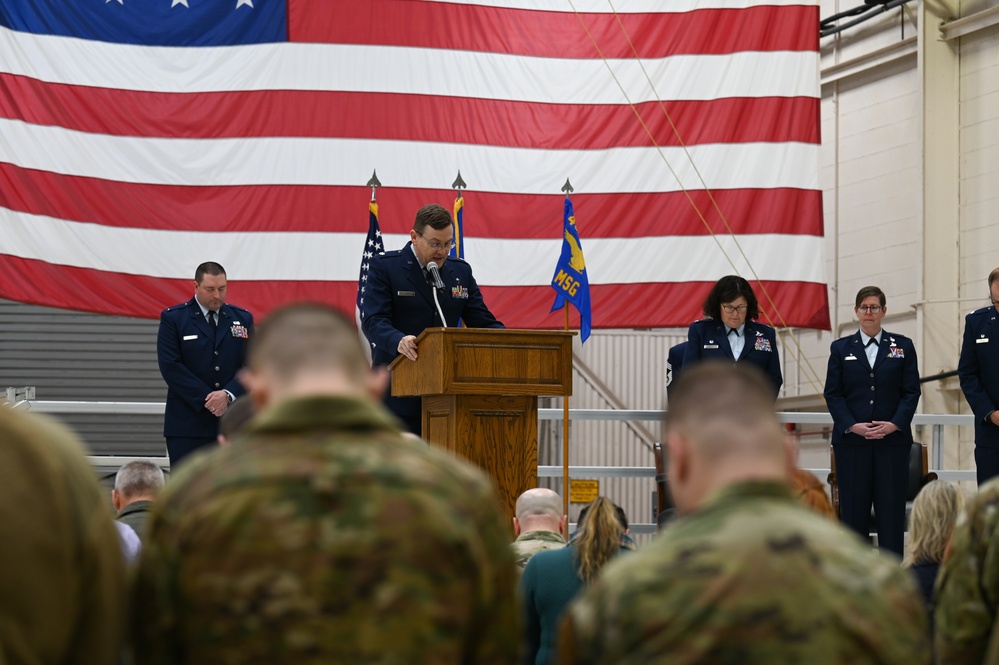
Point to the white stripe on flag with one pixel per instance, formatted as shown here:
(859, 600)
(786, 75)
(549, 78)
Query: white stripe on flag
(409, 164)
(333, 256)
(405, 70)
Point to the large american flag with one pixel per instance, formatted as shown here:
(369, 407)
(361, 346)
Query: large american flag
(139, 138)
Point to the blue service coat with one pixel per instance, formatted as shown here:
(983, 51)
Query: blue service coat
(674, 363)
(978, 370)
(855, 392)
(707, 339)
(194, 364)
(398, 301)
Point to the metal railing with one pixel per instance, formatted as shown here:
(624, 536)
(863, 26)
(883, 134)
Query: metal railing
(936, 423)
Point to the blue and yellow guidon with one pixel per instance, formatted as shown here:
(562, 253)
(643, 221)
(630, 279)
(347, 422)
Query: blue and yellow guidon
(576, 261)
(570, 281)
(458, 251)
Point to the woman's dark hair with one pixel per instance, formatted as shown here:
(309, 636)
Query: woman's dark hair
(727, 289)
(601, 524)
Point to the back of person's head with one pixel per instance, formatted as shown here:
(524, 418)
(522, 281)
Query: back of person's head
(538, 509)
(538, 501)
(307, 347)
(726, 409)
(812, 493)
(433, 215)
(721, 429)
(601, 524)
(934, 513)
(138, 479)
(235, 418)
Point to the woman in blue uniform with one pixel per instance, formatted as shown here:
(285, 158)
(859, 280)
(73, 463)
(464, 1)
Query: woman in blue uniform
(731, 332)
(872, 388)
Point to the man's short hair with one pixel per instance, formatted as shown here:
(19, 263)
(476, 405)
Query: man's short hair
(867, 292)
(139, 478)
(534, 503)
(993, 276)
(727, 289)
(725, 408)
(433, 215)
(308, 336)
(236, 416)
(208, 268)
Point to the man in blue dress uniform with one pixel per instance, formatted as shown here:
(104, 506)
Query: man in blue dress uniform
(978, 370)
(398, 301)
(201, 346)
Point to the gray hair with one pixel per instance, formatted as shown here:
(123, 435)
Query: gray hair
(139, 478)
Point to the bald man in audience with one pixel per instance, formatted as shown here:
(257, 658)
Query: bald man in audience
(136, 486)
(746, 574)
(539, 524)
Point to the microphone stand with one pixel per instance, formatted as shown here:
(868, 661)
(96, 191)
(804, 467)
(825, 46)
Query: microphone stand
(438, 285)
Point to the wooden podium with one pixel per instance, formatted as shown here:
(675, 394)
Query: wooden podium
(480, 389)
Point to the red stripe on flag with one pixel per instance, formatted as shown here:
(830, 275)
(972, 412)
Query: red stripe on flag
(307, 208)
(552, 34)
(614, 306)
(296, 113)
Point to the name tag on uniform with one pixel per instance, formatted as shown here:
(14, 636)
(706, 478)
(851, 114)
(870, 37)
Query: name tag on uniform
(406, 294)
(188, 338)
(710, 346)
(850, 357)
(981, 340)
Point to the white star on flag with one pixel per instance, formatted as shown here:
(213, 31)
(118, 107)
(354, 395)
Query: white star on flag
(240, 3)
(180, 2)
(120, 2)
(372, 245)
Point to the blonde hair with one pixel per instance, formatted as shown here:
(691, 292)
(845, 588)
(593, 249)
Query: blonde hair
(934, 514)
(599, 537)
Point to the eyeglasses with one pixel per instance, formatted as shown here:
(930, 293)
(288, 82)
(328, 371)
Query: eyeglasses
(729, 309)
(873, 309)
(436, 246)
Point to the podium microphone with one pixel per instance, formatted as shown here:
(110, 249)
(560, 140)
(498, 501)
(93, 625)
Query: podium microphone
(438, 286)
(436, 274)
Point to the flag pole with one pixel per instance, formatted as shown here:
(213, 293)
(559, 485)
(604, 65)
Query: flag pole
(374, 184)
(567, 188)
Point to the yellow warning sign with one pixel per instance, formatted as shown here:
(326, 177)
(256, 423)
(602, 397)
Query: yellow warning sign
(583, 491)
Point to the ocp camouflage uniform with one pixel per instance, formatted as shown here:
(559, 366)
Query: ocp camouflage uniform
(528, 544)
(322, 536)
(752, 577)
(967, 589)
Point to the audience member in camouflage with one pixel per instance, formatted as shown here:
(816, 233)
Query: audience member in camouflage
(967, 591)
(539, 524)
(62, 575)
(747, 574)
(321, 535)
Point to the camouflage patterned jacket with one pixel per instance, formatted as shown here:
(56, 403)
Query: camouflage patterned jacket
(322, 536)
(752, 578)
(967, 589)
(530, 543)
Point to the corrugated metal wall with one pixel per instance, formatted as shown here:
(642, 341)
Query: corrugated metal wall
(77, 356)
